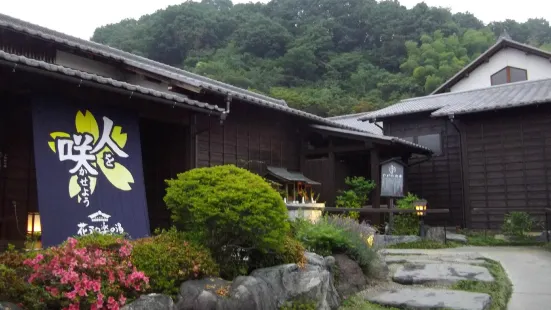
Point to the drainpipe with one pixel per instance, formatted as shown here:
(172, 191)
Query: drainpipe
(463, 202)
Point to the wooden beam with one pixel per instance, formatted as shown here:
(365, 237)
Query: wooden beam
(376, 177)
(339, 149)
(332, 190)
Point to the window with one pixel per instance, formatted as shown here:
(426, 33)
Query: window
(433, 142)
(509, 75)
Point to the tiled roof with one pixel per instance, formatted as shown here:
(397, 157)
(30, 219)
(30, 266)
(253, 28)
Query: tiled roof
(471, 101)
(155, 68)
(352, 121)
(373, 136)
(503, 42)
(21, 60)
(135, 61)
(499, 97)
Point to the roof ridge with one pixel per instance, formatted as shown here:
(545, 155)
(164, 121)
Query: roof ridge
(133, 57)
(346, 115)
(473, 90)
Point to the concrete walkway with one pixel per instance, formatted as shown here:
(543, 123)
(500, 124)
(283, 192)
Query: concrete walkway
(529, 269)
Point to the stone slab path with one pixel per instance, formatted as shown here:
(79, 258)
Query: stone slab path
(440, 273)
(429, 298)
(529, 269)
(426, 259)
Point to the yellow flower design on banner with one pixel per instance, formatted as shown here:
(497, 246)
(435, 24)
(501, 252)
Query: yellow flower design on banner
(90, 149)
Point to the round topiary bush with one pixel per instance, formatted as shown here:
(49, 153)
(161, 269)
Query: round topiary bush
(230, 210)
(169, 259)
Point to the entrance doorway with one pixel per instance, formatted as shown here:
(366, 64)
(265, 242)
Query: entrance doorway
(165, 153)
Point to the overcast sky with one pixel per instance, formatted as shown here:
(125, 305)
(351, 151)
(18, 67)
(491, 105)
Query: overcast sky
(80, 18)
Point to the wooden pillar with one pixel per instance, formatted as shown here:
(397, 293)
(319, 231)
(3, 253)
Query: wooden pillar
(376, 177)
(332, 192)
(405, 159)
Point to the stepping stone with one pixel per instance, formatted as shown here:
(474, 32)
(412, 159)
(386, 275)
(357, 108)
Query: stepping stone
(440, 273)
(426, 298)
(429, 259)
(384, 240)
(456, 237)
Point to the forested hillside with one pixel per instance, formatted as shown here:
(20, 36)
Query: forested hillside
(328, 57)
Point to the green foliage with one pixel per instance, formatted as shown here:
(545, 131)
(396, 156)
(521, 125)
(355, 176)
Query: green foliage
(327, 238)
(500, 290)
(230, 210)
(517, 224)
(299, 305)
(406, 224)
(359, 303)
(14, 289)
(424, 244)
(328, 57)
(357, 194)
(169, 259)
(291, 253)
(98, 241)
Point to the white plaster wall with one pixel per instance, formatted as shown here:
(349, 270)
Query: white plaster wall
(537, 68)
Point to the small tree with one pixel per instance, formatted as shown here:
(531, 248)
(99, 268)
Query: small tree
(230, 210)
(517, 224)
(406, 224)
(357, 194)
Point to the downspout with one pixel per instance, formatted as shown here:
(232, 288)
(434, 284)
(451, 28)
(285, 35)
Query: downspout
(374, 122)
(463, 202)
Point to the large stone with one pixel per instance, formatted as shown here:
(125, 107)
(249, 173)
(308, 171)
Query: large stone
(151, 302)
(456, 237)
(378, 268)
(426, 298)
(427, 259)
(289, 282)
(349, 276)
(267, 288)
(440, 273)
(437, 234)
(8, 306)
(386, 240)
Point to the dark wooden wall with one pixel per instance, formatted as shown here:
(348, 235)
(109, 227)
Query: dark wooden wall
(508, 157)
(165, 154)
(18, 194)
(439, 179)
(251, 137)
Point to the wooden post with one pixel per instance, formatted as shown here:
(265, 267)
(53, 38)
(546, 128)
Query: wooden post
(376, 177)
(332, 193)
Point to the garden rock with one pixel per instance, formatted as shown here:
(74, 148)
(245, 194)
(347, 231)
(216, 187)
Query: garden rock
(151, 302)
(378, 268)
(543, 236)
(440, 273)
(456, 237)
(267, 288)
(386, 240)
(426, 298)
(437, 234)
(349, 276)
(8, 306)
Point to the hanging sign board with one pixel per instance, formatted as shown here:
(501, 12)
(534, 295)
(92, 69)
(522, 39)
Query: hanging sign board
(89, 171)
(392, 179)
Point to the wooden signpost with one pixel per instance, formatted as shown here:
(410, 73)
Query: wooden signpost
(392, 184)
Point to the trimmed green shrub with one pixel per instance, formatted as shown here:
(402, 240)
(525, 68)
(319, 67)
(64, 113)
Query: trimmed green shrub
(292, 253)
(169, 259)
(98, 241)
(15, 289)
(517, 224)
(231, 210)
(326, 238)
(406, 224)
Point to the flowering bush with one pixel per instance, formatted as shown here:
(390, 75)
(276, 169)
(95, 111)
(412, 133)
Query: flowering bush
(86, 277)
(169, 259)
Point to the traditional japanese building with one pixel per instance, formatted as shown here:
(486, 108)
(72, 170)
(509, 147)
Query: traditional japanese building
(89, 134)
(489, 127)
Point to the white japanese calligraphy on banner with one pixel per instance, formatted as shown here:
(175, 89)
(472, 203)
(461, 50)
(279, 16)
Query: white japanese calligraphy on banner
(101, 227)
